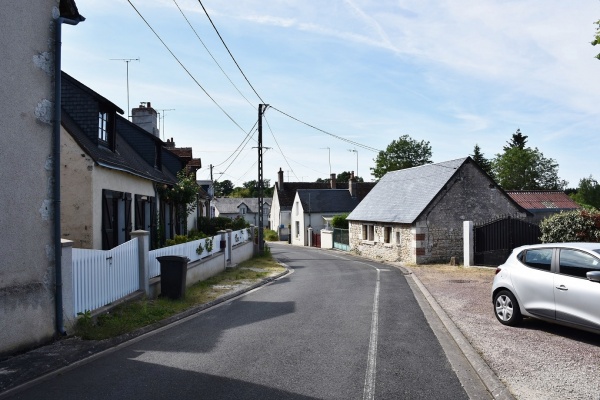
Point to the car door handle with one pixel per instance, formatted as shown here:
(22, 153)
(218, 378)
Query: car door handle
(562, 287)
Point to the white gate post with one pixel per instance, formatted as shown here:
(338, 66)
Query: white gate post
(67, 283)
(468, 244)
(143, 238)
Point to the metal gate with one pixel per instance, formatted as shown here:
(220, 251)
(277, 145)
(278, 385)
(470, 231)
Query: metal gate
(495, 240)
(341, 239)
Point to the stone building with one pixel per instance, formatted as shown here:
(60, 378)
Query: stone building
(416, 215)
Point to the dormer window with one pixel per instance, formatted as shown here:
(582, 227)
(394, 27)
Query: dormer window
(103, 127)
(243, 210)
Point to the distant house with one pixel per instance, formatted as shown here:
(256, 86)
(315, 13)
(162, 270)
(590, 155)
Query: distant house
(285, 193)
(416, 215)
(244, 207)
(111, 172)
(312, 208)
(543, 203)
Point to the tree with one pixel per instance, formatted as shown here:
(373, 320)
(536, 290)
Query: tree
(517, 140)
(250, 189)
(597, 37)
(223, 188)
(183, 196)
(588, 193)
(343, 177)
(526, 169)
(400, 154)
(483, 162)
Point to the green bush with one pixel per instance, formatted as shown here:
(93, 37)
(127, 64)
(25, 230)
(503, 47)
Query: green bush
(571, 226)
(270, 235)
(340, 222)
(210, 226)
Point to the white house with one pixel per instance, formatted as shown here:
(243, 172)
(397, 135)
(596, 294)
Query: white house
(244, 207)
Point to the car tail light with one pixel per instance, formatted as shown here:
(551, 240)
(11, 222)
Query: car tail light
(497, 270)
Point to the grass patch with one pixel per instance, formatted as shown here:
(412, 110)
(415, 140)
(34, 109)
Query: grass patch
(136, 314)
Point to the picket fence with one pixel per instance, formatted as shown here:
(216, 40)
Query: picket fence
(101, 277)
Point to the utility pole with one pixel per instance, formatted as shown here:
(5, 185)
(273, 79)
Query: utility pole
(127, 61)
(355, 151)
(261, 184)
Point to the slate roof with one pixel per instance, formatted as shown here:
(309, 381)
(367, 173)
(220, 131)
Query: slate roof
(287, 195)
(230, 205)
(542, 200)
(401, 196)
(327, 200)
(134, 147)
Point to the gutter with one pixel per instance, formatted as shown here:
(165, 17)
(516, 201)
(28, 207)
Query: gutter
(56, 162)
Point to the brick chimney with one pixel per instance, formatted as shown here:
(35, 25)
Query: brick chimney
(146, 118)
(333, 182)
(352, 185)
(170, 144)
(280, 179)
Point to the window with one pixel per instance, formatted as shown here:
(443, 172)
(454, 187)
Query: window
(577, 263)
(537, 258)
(297, 228)
(368, 232)
(387, 234)
(243, 210)
(297, 208)
(398, 237)
(103, 126)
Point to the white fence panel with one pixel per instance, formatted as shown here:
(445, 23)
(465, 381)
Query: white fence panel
(103, 276)
(238, 237)
(184, 249)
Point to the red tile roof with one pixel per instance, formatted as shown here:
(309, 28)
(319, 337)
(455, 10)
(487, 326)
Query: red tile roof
(543, 199)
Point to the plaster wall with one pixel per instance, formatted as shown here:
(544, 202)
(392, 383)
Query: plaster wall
(26, 126)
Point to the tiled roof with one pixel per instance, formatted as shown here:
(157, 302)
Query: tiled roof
(543, 199)
(327, 200)
(401, 196)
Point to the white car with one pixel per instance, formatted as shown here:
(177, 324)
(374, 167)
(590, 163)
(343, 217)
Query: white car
(555, 282)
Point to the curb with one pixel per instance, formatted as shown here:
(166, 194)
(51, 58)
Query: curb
(39, 367)
(493, 384)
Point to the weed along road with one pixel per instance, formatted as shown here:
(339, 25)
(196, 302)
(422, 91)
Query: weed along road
(336, 327)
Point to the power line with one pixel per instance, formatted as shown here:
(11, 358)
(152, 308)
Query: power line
(184, 67)
(232, 57)
(208, 51)
(330, 134)
(279, 147)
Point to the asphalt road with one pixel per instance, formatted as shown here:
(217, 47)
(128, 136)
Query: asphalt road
(337, 327)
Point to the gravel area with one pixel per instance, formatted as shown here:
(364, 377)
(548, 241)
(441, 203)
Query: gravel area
(536, 360)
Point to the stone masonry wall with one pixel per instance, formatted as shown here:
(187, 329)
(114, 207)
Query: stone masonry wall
(377, 249)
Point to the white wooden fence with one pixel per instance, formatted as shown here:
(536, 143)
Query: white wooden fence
(103, 276)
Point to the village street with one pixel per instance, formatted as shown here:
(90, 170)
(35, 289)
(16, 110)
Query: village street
(337, 327)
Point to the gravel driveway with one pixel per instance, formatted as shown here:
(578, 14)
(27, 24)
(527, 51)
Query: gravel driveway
(536, 360)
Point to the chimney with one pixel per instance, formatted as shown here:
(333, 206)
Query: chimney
(280, 179)
(333, 182)
(146, 118)
(352, 185)
(170, 144)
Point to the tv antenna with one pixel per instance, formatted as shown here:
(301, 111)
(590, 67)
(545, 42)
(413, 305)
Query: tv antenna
(127, 61)
(162, 117)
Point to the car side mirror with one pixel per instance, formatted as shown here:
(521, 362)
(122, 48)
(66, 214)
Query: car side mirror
(593, 276)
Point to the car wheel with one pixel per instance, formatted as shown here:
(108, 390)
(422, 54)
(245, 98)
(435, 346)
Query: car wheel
(506, 308)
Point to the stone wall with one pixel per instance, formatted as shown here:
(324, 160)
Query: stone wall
(469, 196)
(397, 250)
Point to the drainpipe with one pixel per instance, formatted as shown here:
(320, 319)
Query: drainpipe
(56, 158)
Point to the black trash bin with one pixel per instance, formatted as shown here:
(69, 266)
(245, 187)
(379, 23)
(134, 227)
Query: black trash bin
(173, 271)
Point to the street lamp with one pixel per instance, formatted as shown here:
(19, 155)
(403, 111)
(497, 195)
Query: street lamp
(355, 151)
(329, 150)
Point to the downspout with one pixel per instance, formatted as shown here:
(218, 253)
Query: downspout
(56, 162)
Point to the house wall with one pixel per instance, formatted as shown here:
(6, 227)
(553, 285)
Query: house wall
(314, 220)
(76, 218)
(468, 198)
(402, 250)
(274, 215)
(26, 126)
(106, 178)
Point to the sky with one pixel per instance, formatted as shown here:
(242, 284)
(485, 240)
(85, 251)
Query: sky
(344, 78)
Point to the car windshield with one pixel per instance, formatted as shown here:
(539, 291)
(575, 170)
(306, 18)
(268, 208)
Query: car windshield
(596, 251)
